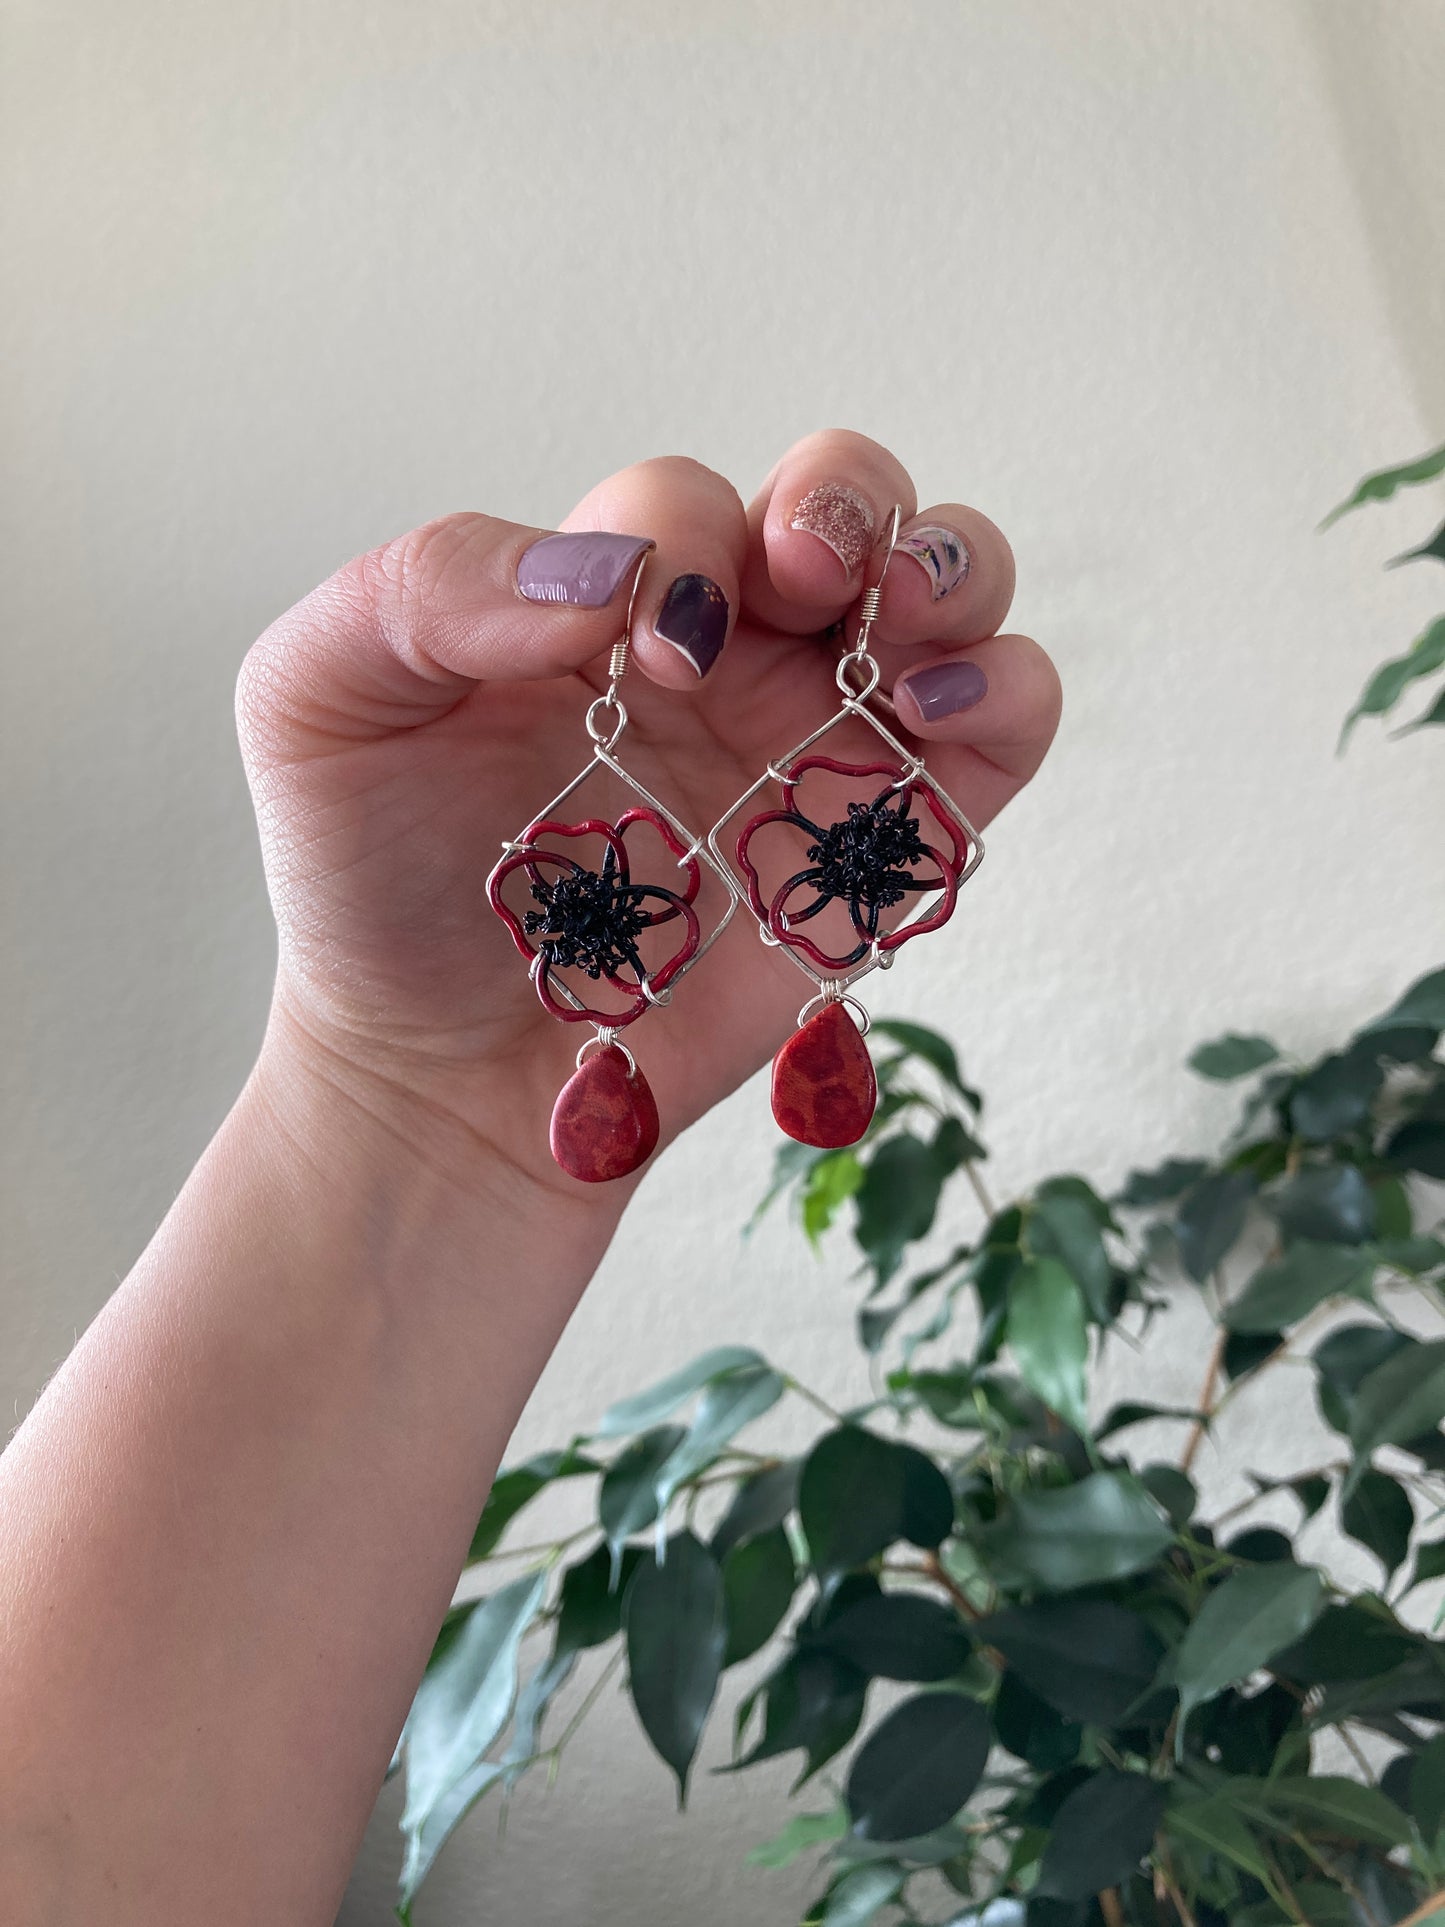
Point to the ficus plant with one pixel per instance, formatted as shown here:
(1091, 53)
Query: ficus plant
(1026, 1678)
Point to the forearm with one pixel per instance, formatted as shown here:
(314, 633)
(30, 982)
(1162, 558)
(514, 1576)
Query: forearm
(231, 1526)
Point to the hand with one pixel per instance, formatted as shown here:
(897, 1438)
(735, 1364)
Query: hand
(415, 710)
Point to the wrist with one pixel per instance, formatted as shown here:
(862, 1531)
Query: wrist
(442, 1180)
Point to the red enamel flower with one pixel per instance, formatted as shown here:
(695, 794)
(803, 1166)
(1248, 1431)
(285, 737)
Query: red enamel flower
(591, 921)
(867, 861)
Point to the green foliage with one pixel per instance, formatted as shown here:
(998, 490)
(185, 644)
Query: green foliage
(1075, 1696)
(1427, 653)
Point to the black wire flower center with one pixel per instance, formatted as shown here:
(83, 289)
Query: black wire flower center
(862, 857)
(589, 922)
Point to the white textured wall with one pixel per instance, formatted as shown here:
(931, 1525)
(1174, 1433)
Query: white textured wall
(1149, 284)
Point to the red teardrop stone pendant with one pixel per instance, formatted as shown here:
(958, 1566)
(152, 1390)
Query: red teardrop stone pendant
(824, 1089)
(604, 1123)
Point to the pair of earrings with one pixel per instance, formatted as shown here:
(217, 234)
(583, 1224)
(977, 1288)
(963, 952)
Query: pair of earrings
(855, 858)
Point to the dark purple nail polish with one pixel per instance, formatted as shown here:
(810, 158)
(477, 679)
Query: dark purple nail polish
(694, 619)
(585, 568)
(945, 688)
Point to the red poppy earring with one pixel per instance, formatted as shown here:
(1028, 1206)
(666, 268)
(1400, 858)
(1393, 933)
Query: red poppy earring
(855, 858)
(604, 909)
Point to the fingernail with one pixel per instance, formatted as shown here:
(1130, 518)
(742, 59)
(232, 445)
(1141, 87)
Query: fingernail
(940, 553)
(840, 516)
(694, 619)
(586, 568)
(945, 688)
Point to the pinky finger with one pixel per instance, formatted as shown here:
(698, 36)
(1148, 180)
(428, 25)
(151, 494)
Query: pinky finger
(994, 706)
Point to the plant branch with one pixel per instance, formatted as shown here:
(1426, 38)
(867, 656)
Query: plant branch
(1426, 1908)
(1204, 1404)
(812, 1398)
(980, 1189)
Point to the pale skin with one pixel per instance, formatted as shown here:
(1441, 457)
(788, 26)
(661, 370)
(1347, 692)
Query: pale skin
(231, 1525)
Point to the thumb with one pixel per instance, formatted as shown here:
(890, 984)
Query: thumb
(398, 636)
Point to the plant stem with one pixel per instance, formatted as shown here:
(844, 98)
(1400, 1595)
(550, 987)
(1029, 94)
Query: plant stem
(980, 1189)
(1425, 1909)
(936, 1571)
(818, 1404)
(593, 1694)
(1109, 1907)
(1164, 1868)
(1205, 1401)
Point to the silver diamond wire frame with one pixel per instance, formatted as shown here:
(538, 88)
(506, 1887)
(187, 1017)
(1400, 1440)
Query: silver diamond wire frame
(697, 846)
(913, 766)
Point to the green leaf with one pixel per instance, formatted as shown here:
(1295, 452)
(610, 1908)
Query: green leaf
(1174, 1490)
(1210, 1219)
(726, 1406)
(1049, 1338)
(1089, 1659)
(859, 1493)
(1282, 1293)
(1100, 1834)
(918, 1766)
(1427, 1788)
(627, 1500)
(1233, 1056)
(919, 1041)
(897, 1201)
(460, 1708)
(425, 1840)
(1335, 1097)
(803, 1831)
(761, 1502)
(673, 1618)
(1429, 1563)
(536, 1696)
(1328, 1203)
(1430, 551)
(1434, 714)
(860, 1894)
(1399, 1400)
(1215, 1824)
(1422, 1007)
(1346, 1358)
(1419, 1145)
(1104, 1527)
(1425, 655)
(590, 1605)
(1347, 1643)
(1063, 1226)
(812, 1701)
(1242, 1624)
(1162, 1185)
(1379, 1515)
(517, 1487)
(759, 1581)
(1332, 1805)
(791, 1162)
(1386, 482)
(831, 1180)
(646, 1408)
(897, 1635)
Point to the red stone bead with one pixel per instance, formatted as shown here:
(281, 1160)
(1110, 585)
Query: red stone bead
(604, 1123)
(824, 1089)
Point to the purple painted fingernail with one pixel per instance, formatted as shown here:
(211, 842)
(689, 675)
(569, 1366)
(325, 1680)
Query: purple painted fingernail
(585, 568)
(840, 516)
(694, 619)
(940, 553)
(945, 688)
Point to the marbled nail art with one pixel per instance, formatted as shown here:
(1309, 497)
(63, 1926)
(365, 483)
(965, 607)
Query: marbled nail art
(840, 516)
(940, 553)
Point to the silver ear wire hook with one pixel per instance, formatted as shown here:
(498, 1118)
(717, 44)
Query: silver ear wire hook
(857, 661)
(601, 734)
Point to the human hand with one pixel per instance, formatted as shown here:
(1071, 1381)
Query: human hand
(416, 710)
